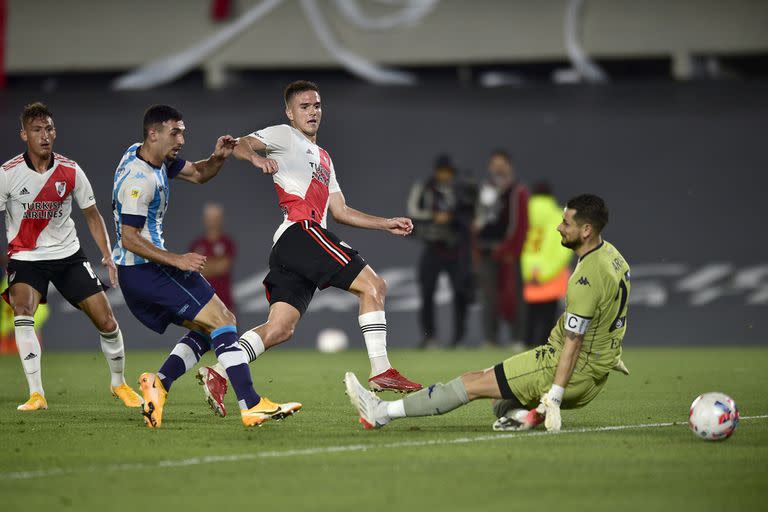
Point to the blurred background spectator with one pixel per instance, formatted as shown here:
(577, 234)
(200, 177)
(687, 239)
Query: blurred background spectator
(544, 264)
(442, 208)
(501, 225)
(220, 250)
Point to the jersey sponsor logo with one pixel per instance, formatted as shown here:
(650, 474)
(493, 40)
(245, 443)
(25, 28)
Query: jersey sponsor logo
(24, 191)
(576, 323)
(61, 188)
(320, 173)
(583, 281)
(46, 206)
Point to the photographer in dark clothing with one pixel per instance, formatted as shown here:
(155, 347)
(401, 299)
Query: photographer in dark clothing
(501, 226)
(442, 209)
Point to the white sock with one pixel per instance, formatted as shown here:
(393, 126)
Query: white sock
(252, 344)
(114, 352)
(396, 409)
(374, 327)
(29, 352)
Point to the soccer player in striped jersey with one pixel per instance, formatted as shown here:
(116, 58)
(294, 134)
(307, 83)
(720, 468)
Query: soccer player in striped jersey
(37, 188)
(306, 255)
(161, 287)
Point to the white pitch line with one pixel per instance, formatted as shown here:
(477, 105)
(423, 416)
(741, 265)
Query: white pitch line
(213, 459)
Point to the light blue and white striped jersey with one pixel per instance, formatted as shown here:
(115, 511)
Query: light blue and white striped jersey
(140, 198)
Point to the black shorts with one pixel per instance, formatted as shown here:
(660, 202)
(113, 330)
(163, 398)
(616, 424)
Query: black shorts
(307, 257)
(72, 276)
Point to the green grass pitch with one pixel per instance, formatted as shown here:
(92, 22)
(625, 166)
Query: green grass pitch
(88, 452)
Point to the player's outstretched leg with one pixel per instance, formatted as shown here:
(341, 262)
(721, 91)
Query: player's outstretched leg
(277, 329)
(372, 290)
(254, 409)
(436, 399)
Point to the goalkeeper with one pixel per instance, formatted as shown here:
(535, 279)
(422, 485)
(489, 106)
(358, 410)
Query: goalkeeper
(568, 371)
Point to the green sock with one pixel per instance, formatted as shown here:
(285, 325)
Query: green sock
(436, 399)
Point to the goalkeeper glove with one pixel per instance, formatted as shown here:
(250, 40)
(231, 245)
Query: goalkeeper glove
(550, 408)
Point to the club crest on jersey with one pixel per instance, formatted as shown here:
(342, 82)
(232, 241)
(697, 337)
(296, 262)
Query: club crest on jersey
(61, 188)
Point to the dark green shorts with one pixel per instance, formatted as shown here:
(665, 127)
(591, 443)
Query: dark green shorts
(529, 375)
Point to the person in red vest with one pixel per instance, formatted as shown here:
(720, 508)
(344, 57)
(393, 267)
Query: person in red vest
(220, 250)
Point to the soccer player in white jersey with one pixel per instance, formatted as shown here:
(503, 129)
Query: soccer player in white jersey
(36, 192)
(161, 287)
(305, 255)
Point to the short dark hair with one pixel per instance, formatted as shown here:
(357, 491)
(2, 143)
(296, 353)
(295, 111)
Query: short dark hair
(590, 209)
(34, 111)
(502, 154)
(294, 88)
(158, 114)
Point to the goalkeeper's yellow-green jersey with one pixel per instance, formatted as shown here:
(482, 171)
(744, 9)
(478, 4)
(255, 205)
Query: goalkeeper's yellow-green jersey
(596, 306)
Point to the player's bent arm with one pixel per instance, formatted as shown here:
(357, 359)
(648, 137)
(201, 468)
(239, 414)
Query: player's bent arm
(344, 214)
(204, 170)
(248, 149)
(98, 230)
(550, 402)
(137, 244)
(568, 358)
(100, 235)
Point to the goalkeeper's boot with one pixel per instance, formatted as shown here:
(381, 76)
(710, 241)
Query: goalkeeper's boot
(154, 399)
(214, 387)
(129, 397)
(370, 408)
(518, 420)
(36, 402)
(267, 410)
(392, 380)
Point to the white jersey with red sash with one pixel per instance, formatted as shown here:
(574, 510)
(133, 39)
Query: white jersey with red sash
(38, 207)
(305, 177)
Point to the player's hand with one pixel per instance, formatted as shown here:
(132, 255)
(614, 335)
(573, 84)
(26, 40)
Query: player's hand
(267, 165)
(550, 408)
(401, 226)
(191, 261)
(112, 269)
(224, 146)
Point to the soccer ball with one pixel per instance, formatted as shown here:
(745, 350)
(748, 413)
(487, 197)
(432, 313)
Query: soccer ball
(713, 416)
(330, 341)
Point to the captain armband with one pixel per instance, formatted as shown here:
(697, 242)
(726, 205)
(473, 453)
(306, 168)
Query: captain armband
(576, 323)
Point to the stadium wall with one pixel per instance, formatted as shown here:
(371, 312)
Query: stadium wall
(681, 166)
(91, 35)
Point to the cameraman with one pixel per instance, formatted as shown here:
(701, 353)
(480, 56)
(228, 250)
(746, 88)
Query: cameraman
(442, 209)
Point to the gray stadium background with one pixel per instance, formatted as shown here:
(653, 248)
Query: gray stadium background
(682, 167)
